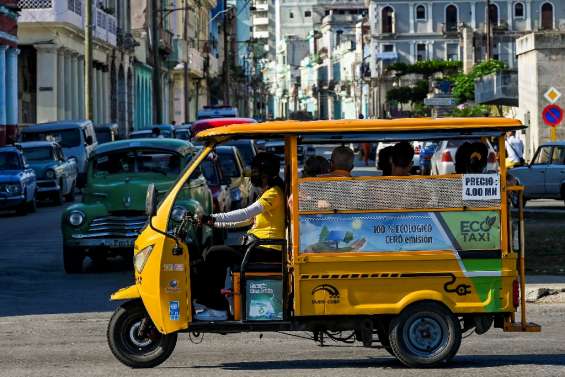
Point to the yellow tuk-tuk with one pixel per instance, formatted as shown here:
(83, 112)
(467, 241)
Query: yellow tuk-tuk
(411, 262)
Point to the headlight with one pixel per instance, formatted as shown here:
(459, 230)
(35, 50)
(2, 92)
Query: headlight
(50, 174)
(140, 258)
(76, 218)
(13, 188)
(178, 213)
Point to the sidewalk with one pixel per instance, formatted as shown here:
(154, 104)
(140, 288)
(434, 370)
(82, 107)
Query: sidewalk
(545, 289)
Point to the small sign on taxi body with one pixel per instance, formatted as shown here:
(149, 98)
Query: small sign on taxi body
(481, 187)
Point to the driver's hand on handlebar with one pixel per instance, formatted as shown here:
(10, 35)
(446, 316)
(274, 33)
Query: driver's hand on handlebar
(206, 220)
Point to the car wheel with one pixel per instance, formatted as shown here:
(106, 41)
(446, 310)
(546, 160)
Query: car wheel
(425, 334)
(133, 349)
(72, 259)
(70, 197)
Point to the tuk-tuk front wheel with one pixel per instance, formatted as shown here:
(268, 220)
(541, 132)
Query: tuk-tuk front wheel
(134, 340)
(424, 335)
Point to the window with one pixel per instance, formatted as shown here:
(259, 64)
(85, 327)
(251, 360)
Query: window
(388, 20)
(451, 18)
(388, 48)
(543, 156)
(493, 14)
(452, 51)
(519, 10)
(420, 12)
(547, 16)
(308, 13)
(421, 52)
(558, 156)
(291, 15)
(327, 12)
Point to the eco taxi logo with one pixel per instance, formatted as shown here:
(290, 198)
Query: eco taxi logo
(330, 294)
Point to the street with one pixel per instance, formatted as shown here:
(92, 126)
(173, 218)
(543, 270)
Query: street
(52, 324)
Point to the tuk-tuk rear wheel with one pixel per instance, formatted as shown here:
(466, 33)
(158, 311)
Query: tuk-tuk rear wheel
(132, 349)
(425, 334)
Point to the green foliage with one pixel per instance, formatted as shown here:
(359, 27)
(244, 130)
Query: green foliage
(471, 111)
(324, 233)
(464, 84)
(426, 67)
(415, 94)
(348, 237)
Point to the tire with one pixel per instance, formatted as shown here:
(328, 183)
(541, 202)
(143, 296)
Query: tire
(425, 334)
(72, 260)
(70, 197)
(128, 347)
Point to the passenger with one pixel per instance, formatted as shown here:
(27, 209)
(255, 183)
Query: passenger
(401, 158)
(341, 162)
(267, 215)
(315, 166)
(471, 158)
(385, 164)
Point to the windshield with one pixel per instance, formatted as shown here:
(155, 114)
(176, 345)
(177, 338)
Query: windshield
(9, 161)
(210, 173)
(38, 154)
(229, 164)
(138, 161)
(182, 134)
(246, 151)
(66, 138)
(103, 136)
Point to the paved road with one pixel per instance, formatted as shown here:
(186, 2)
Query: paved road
(52, 324)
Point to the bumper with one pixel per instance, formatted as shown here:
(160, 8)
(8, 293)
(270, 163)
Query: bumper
(79, 240)
(46, 186)
(11, 201)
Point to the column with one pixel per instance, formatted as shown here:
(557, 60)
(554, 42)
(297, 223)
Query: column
(68, 85)
(47, 88)
(3, 104)
(104, 96)
(12, 86)
(473, 16)
(510, 11)
(530, 16)
(413, 57)
(75, 87)
(60, 83)
(98, 97)
(411, 16)
(80, 96)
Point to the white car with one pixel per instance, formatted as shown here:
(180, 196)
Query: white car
(443, 160)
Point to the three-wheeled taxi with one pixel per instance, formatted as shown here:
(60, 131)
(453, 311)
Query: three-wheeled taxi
(411, 262)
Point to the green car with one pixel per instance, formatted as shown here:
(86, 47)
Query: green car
(112, 211)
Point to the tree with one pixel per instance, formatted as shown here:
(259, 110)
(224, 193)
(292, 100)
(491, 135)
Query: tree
(348, 237)
(324, 233)
(464, 84)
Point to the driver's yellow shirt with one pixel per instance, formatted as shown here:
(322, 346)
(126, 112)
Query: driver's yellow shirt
(270, 223)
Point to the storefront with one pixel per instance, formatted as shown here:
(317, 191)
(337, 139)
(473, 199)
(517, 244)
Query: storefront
(8, 71)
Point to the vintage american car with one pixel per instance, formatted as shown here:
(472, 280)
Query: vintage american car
(111, 214)
(18, 185)
(56, 175)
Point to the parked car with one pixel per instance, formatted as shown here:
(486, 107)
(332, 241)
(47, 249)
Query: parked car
(443, 159)
(106, 133)
(183, 131)
(56, 175)
(218, 184)
(277, 148)
(246, 148)
(544, 177)
(77, 138)
(18, 185)
(165, 131)
(233, 168)
(209, 112)
(112, 211)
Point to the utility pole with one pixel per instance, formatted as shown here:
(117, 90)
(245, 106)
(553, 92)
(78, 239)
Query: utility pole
(155, 25)
(226, 55)
(88, 100)
(186, 77)
(489, 31)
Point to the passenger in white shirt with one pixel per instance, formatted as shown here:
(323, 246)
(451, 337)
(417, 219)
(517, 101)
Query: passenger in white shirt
(514, 150)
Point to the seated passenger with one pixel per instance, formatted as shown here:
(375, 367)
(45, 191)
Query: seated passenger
(315, 166)
(267, 215)
(401, 158)
(341, 162)
(385, 164)
(471, 158)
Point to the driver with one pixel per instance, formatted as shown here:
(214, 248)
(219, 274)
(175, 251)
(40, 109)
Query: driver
(267, 217)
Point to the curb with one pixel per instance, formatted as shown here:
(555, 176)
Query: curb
(545, 293)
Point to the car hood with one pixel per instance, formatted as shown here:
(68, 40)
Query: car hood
(40, 167)
(126, 193)
(9, 176)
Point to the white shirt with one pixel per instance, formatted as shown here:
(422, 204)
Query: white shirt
(514, 148)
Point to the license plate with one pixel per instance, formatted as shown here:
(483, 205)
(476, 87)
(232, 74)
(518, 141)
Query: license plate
(121, 244)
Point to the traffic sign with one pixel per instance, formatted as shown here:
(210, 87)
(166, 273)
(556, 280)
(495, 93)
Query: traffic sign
(552, 95)
(552, 115)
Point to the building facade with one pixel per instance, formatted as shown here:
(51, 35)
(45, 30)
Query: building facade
(8, 71)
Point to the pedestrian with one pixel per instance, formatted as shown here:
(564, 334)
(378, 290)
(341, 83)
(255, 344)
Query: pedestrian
(514, 150)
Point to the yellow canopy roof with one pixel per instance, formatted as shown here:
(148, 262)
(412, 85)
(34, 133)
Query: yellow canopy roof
(278, 128)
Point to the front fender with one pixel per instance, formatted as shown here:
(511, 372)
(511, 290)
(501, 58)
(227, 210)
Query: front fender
(128, 293)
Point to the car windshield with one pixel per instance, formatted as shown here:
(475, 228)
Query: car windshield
(38, 154)
(209, 172)
(103, 135)
(9, 161)
(138, 161)
(66, 138)
(246, 151)
(182, 134)
(229, 164)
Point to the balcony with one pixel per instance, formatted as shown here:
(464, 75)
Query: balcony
(261, 34)
(178, 53)
(257, 21)
(264, 7)
(195, 62)
(213, 66)
(69, 12)
(499, 88)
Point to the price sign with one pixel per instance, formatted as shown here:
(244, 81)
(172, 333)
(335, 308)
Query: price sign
(481, 187)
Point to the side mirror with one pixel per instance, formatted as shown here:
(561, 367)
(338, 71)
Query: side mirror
(89, 140)
(81, 180)
(247, 172)
(151, 201)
